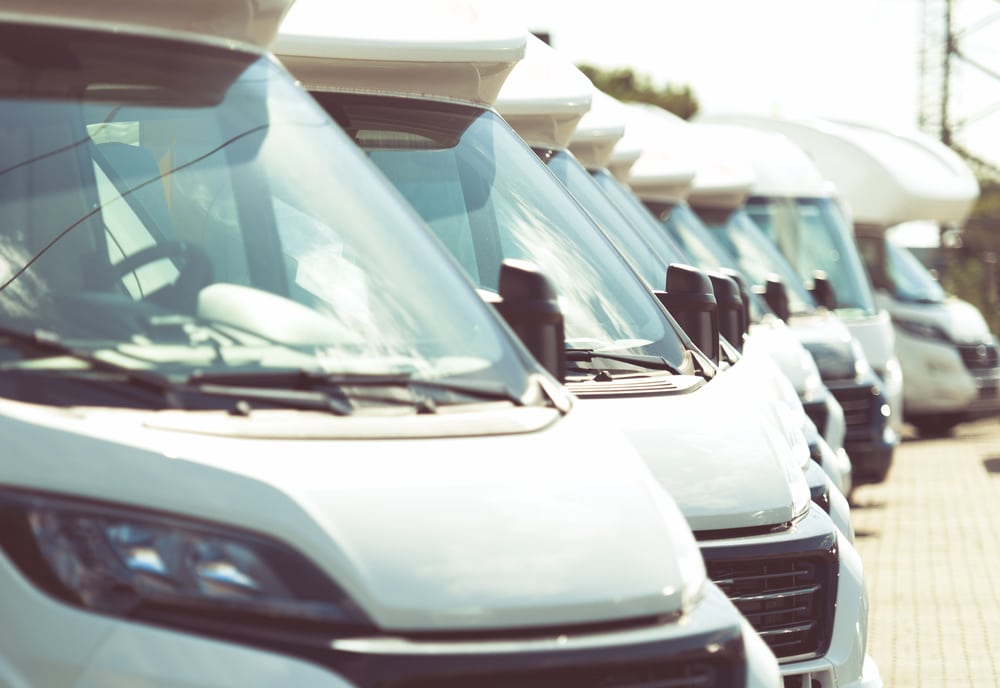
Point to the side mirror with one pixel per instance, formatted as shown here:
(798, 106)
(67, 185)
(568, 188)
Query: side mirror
(822, 290)
(691, 301)
(729, 301)
(776, 297)
(529, 305)
(744, 295)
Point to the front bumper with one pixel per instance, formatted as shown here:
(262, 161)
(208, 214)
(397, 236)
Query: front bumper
(833, 649)
(946, 378)
(45, 642)
(870, 440)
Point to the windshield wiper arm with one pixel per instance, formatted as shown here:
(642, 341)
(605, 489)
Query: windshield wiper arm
(640, 360)
(310, 380)
(170, 390)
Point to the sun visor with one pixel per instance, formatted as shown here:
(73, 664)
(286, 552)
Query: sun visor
(254, 23)
(545, 97)
(434, 49)
(600, 129)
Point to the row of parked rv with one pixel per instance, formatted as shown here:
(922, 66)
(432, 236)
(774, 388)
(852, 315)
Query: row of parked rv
(454, 372)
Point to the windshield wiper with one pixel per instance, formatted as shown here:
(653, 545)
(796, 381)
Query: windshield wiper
(173, 391)
(314, 379)
(640, 360)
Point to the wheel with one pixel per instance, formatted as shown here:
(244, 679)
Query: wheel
(192, 263)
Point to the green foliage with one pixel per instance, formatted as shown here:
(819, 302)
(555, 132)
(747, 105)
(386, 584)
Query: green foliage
(624, 84)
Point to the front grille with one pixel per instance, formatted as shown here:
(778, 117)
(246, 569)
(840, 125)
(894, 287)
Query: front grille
(788, 598)
(818, 413)
(979, 356)
(691, 674)
(858, 404)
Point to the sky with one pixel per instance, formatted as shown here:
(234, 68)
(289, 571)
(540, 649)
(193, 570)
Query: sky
(846, 59)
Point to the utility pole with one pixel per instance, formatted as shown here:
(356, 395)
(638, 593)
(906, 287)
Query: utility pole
(941, 57)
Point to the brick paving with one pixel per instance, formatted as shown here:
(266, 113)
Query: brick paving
(929, 537)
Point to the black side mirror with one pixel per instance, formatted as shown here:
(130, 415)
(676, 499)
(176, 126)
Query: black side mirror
(529, 305)
(822, 290)
(730, 308)
(776, 297)
(741, 282)
(691, 301)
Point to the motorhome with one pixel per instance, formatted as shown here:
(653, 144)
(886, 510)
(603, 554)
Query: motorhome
(488, 197)
(795, 207)
(698, 169)
(886, 178)
(841, 363)
(259, 428)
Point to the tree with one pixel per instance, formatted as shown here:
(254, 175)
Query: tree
(624, 84)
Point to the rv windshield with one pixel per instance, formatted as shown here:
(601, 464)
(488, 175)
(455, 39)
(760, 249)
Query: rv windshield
(200, 218)
(488, 198)
(639, 217)
(756, 256)
(690, 233)
(894, 268)
(644, 258)
(813, 235)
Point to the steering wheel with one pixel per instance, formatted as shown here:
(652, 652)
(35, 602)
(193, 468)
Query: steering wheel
(194, 266)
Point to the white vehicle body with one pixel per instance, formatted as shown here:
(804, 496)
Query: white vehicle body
(187, 498)
(722, 182)
(650, 250)
(796, 207)
(947, 354)
(425, 150)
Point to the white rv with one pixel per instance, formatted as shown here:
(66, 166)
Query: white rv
(794, 205)
(488, 197)
(673, 143)
(641, 239)
(258, 428)
(885, 178)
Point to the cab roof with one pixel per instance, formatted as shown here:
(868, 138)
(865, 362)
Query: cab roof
(545, 96)
(231, 21)
(598, 131)
(886, 177)
(446, 49)
(663, 172)
(724, 179)
(782, 168)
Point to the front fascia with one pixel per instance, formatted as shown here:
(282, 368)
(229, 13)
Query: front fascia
(843, 660)
(715, 450)
(515, 528)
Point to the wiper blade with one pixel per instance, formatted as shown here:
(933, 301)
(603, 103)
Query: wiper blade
(640, 360)
(313, 379)
(173, 391)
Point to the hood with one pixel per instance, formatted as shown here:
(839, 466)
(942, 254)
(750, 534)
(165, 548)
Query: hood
(558, 526)
(830, 343)
(719, 451)
(774, 338)
(957, 320)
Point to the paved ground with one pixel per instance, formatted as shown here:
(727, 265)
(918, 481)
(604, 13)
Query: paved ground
(929, 538)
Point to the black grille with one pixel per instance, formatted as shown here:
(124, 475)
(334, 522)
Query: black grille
(817, 412)
(692, 674)
(979, 356)
(857, 403)
(789, 599)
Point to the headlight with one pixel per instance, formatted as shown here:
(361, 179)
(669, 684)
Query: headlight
(924, 330)
(862, 368)
(127, 562)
